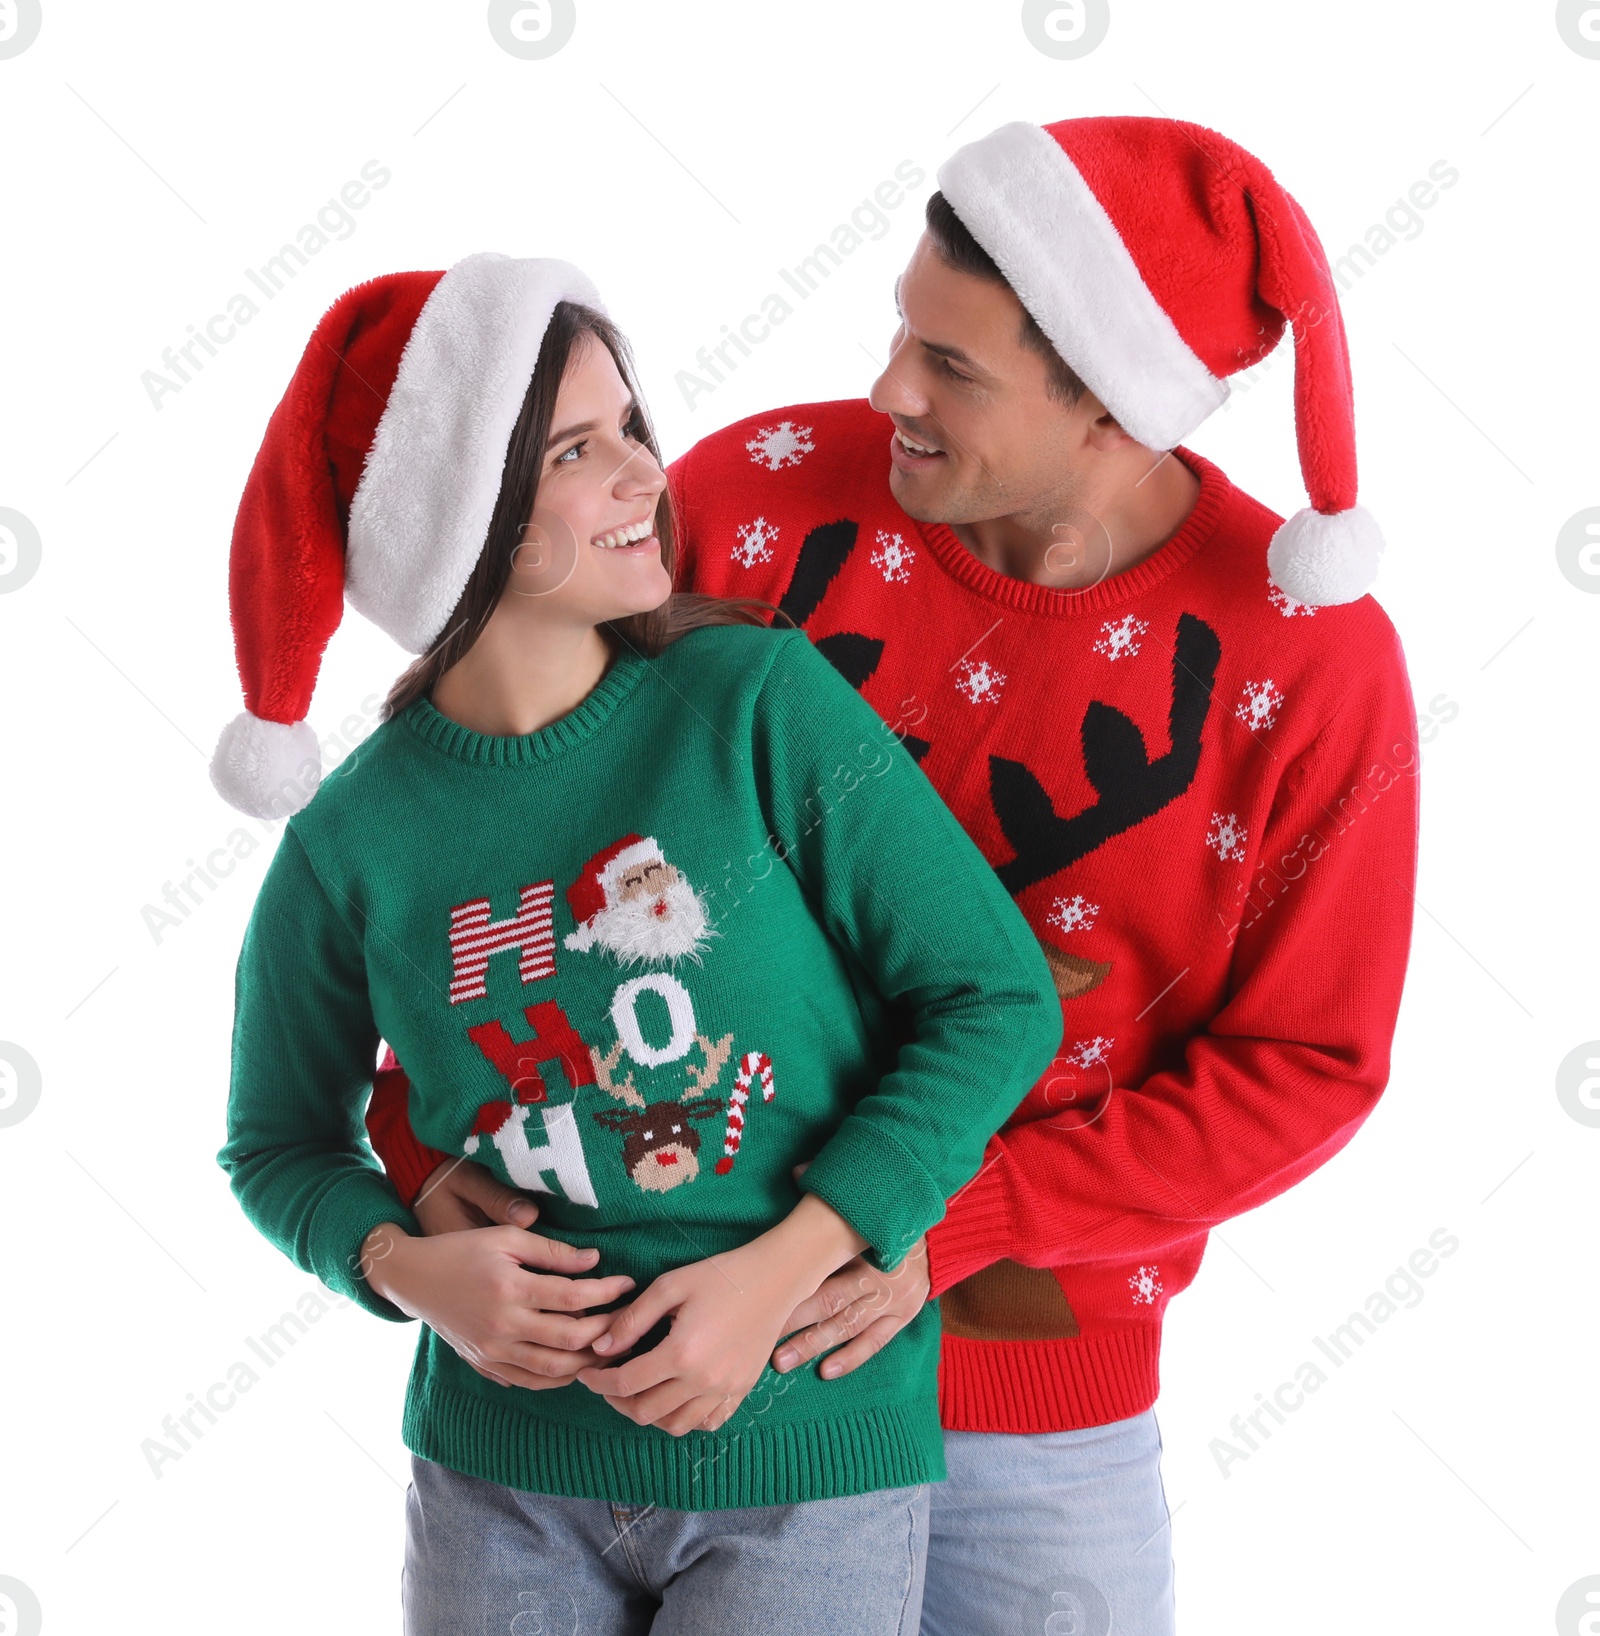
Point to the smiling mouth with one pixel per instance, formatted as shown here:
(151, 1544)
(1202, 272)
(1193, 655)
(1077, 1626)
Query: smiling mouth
(619, 539)
(911, 452)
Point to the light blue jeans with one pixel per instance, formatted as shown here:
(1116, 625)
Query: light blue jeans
(1051, 1534)
(484, 1559)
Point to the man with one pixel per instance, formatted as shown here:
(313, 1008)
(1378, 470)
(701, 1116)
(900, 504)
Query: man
(1198, 782)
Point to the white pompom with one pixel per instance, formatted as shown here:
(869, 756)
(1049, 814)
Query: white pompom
(268, 769)
(1323, 558)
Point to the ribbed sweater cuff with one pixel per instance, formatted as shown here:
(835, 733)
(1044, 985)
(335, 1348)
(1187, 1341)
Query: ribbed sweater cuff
(407, 1161)
(410, 1165)
(343, 1218)
(878, 1187)
(975, 1233)
(1044, 1386)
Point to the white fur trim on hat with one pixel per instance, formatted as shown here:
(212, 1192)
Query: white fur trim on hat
(1324, 558)
(420, 513)
(268, 769)
(1020, 196)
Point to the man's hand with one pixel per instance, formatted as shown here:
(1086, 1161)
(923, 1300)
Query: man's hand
(474, 1290)
(461, 1195)
(858, 1306)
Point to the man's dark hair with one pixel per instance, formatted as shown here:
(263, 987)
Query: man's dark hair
(958, 249)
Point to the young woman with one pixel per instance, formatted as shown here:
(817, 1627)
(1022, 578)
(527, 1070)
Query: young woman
(655, 910)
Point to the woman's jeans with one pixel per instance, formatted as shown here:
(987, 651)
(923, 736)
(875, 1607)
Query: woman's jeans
(484, 1559)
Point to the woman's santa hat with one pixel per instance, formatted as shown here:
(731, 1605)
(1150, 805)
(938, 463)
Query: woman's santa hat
(1159, 258)
(375, 484)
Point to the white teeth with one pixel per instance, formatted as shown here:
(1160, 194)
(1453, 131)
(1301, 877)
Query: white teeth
(914, 448)
(630, 535)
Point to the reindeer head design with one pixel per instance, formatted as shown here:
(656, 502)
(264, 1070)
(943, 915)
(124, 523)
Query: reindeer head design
(661, 1147)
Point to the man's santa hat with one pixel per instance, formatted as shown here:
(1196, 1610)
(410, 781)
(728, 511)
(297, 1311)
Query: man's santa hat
(1159, 258)
(375, 484)
(596, 887)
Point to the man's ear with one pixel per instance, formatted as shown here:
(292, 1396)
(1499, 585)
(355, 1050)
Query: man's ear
(1104, 435)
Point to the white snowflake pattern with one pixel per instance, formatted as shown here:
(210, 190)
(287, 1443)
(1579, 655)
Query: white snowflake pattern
(1090, 1053)
(1146, 1286)
(980, 682)
(893, 558)
(755, 542)
(782, 445)
(1120, 638)
(1286, 604)
(1074, 914)
(1227, 836)
(1258, 705)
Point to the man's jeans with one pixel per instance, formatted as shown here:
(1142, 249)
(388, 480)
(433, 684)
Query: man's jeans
(481, 1558)
(1054, 1534)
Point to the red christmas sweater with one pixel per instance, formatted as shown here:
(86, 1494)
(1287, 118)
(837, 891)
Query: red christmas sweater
(1203, 796)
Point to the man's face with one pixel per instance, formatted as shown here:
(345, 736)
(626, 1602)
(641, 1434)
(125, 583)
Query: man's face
(960, 381)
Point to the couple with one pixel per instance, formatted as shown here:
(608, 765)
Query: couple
(909, 849)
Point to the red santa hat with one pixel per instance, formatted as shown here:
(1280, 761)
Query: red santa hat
(596, 887)
(375, 484)
(1160, 258)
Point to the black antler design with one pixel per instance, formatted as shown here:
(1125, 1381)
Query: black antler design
(1129, 786)
(822, 553)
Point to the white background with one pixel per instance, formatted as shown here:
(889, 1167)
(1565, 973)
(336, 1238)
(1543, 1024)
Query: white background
(1444, 1478)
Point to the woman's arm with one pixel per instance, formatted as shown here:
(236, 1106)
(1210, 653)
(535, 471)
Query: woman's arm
(898, 882)
(304, 1042)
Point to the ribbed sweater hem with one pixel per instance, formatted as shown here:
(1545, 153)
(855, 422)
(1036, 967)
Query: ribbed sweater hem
(747, 1463)
(1045, 1386)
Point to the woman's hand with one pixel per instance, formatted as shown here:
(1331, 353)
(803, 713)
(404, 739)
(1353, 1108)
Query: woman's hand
(460, 1195)
(473, 1289)
(859, 1306)
(727, 1313)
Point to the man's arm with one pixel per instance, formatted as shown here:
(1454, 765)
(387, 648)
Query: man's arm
(409, 1162)
(1287, 1070)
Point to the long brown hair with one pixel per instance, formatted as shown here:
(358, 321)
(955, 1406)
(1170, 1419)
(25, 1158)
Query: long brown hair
(646, 633)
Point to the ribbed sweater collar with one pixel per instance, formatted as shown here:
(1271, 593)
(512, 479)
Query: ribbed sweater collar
(528, 749)
(1027, 597)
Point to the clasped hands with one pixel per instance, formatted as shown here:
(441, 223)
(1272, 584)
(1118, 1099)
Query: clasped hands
(516, 1306)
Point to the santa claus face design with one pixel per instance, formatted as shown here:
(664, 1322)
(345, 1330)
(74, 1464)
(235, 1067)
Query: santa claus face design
(652, 913)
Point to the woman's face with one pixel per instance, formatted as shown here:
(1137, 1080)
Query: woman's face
(590, 547)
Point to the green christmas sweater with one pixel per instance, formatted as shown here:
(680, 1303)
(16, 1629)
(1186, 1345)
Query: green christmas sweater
(710, 924)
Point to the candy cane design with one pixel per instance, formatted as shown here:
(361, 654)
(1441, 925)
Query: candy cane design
(753, 1066)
